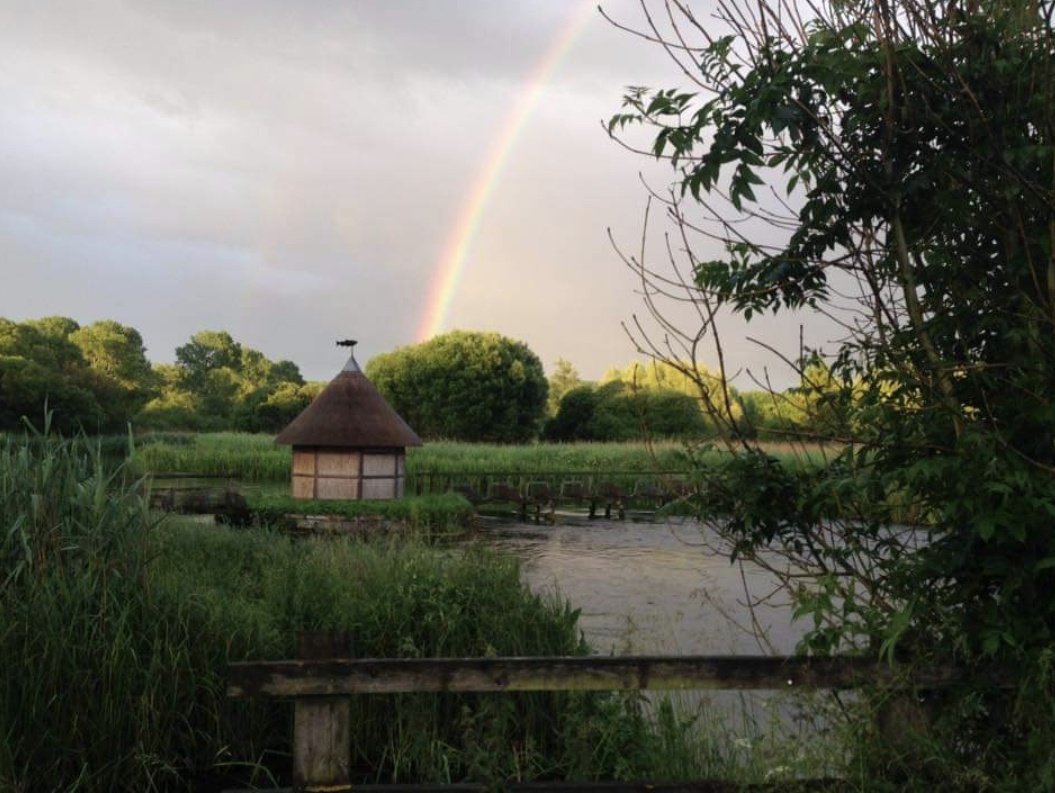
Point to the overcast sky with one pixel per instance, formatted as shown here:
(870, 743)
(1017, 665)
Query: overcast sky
(292, 172)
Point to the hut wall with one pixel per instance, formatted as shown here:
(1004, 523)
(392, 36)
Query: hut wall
(348, 474)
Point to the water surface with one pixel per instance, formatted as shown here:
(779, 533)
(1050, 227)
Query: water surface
(651, 588)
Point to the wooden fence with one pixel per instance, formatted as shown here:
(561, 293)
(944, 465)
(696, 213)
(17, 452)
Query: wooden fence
(610, 492)
(656, 482)
(321, 681)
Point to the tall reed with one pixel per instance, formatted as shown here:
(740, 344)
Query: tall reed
(256, 458)
(86, 655)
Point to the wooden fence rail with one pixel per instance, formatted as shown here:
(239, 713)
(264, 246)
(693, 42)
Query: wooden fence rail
(344, 677)
(320, 686)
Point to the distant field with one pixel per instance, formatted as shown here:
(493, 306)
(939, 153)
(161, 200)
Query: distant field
(256, 458)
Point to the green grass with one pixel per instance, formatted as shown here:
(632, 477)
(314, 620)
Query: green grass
(257, 458)
(543, 458)
(115, 630)
(430, 516)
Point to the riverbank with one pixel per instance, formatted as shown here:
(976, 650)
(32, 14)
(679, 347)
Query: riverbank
(129, 621)
(426, 518)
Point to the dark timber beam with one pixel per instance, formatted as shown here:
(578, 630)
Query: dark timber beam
(626, 673)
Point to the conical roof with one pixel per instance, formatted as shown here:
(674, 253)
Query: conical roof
(349, 412)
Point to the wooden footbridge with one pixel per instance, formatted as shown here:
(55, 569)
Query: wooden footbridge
(610, 493)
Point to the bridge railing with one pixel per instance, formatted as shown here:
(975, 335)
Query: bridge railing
(424, 482)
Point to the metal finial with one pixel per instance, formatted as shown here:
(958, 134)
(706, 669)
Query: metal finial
(347, 343)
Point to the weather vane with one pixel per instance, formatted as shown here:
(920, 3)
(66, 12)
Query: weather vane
(347, 343)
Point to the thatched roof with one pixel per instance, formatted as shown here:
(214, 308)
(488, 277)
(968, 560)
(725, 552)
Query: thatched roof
(349, 412)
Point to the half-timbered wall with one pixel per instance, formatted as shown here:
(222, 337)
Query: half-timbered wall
(328, 473)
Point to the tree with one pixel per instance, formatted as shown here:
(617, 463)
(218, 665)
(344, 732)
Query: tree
(617, 411)
(97, 377)
(286, 372)
(55, 327)
(43, 342)
(573, 420)
(565, 377)
(206, 351)
(27, 388)
(465, 385)
(222, 383)
(915, 143)
(270, 409)
(40, 366)
(672, 375)
(689, 378)
(115, 353)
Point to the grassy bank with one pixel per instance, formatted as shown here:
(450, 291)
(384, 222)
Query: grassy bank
(115, 630)
(427, 516)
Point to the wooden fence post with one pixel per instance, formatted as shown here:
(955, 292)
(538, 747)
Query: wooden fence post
(322, 751)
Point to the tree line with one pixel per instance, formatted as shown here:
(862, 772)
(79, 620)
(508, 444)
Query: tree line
(668, 399)
(98, 378)
(462, 385)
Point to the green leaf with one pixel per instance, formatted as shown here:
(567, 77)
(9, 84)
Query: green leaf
(991, 644)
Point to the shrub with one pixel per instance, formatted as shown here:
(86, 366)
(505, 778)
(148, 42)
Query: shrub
(465, 385)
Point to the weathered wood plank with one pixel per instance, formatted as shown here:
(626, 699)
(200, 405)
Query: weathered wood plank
(613, 673)
(459, 787)
(322, 725)
(703, 786)
(699, 786)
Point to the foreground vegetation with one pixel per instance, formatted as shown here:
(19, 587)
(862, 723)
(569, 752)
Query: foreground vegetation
(914, 143)
(116, 626)
(428, 517)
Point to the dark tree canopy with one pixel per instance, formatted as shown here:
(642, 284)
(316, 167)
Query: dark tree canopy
(219, 383)
(911, 148)
(465, 385)
(41, 365)
(115, 353)
(98, 378)
(26, 387)
(616, 411)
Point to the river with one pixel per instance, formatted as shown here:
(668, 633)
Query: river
(651, 588)
(660, 588)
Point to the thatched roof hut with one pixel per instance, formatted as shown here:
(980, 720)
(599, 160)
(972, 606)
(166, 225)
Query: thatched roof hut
(349, 443)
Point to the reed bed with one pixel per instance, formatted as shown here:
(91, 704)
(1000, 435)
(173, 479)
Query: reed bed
(253, 458)
(256, 458)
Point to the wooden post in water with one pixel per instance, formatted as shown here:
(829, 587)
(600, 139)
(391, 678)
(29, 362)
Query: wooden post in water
(322, 750)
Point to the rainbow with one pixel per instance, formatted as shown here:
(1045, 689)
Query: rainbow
(452, 260)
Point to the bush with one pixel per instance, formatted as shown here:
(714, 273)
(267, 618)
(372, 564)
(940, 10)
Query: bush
(465, 385)
(617, 412)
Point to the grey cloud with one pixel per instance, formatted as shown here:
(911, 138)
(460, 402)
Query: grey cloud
(292, 171)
